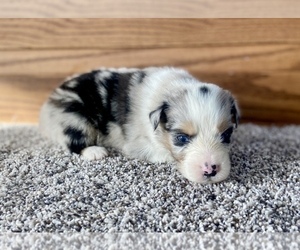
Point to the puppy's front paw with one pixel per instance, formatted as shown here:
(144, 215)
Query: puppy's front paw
(94, 153)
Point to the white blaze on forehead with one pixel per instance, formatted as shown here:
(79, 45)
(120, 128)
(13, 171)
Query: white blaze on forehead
(204, 110)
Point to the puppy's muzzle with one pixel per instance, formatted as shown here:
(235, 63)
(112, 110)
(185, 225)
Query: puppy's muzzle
(206, 167)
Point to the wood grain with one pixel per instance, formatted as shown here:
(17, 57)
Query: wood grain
(144, 33)
(264, 78)
(149, 8)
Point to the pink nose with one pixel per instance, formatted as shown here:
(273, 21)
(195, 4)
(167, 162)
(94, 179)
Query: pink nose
(210, 169)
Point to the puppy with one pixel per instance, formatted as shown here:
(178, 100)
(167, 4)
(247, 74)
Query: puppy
(155, 114)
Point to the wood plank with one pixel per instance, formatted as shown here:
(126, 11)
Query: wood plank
(265, 78)
(143, 33)
(208, 59)
(21, 100)
(149, 8)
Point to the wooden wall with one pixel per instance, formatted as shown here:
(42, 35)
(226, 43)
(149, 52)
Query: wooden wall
(257, 59)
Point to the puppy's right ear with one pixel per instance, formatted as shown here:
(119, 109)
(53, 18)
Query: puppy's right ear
(234, 111)
(159, 115)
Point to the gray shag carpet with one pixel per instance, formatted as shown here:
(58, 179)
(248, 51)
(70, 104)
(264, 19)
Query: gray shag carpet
(43, 189)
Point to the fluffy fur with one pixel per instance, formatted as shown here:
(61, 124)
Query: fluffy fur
(155, 114)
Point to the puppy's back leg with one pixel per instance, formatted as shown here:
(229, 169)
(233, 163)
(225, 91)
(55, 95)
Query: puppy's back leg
(71, 132)
(66, 119)
(84, 143)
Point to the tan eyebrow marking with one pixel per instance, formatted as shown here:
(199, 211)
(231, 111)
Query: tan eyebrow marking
(188, 128)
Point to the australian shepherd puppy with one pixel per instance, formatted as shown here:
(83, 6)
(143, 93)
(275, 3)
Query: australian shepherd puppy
(155, 114)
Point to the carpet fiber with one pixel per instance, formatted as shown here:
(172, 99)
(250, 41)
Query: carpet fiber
(43, 189)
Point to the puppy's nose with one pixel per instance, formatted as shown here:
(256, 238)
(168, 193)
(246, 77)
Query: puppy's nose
(210, 169)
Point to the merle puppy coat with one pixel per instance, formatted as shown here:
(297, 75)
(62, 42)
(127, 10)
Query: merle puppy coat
(156, 114)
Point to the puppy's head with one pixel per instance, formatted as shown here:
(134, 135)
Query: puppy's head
(195, 124)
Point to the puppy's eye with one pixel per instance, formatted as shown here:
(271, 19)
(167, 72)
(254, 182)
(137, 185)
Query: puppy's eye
(225, 136)
(182, 139)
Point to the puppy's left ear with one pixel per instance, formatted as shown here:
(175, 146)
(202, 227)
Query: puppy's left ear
(159, 115)
(234, 111)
